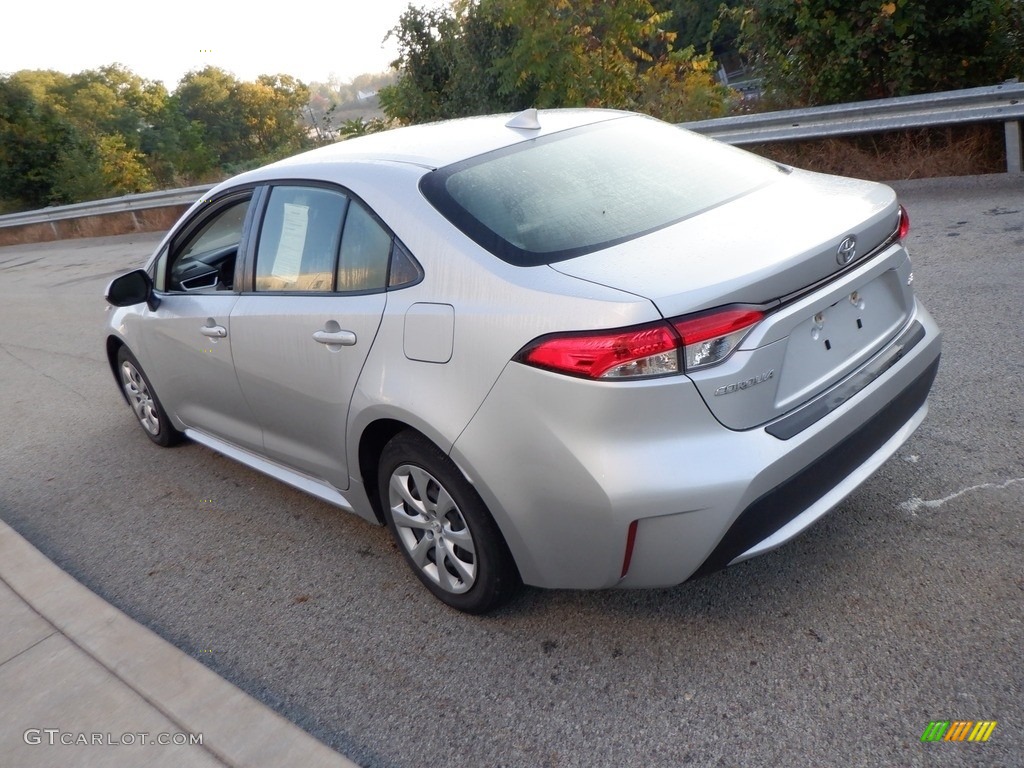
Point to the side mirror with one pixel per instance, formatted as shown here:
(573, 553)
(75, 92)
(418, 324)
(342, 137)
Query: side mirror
(133, 288)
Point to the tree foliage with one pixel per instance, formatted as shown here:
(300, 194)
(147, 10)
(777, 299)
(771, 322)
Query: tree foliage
(700, 23)
(98, 133)
(480, 56)
(830, 51)
(32, 136)
(244, 121)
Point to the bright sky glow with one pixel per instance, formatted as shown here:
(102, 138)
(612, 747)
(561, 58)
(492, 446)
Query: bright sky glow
(310, 39)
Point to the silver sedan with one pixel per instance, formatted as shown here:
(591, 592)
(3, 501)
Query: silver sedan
(574, 348)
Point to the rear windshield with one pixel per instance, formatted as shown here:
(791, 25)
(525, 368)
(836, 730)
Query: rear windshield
(588, 188)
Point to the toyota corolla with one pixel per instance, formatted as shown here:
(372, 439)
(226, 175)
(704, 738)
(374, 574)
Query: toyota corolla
(572, 349)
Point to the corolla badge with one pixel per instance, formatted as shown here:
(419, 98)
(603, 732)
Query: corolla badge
(847, 250)
(753, 381)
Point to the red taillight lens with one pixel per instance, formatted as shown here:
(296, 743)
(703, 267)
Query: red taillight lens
(646, 350)
(904, 226)
(710, 337)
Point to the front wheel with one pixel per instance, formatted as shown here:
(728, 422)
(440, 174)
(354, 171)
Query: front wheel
(445, 532)
(143, 400)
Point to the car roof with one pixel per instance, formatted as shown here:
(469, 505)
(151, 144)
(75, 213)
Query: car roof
(434, 145)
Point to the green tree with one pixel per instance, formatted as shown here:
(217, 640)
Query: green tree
(244, 122)
(104, 166)
(45, 159)
(106, 115)
(504, 55)
(103, 132)
(271, 109)
(112, 100)
(698, 23)
(44, 85)
(206, 101)
(428, 40)
(175, 149)
(33, 137)
(826, 51)
(582, 53)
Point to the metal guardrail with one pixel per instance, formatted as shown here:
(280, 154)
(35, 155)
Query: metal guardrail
(163, 199)
(998, 103)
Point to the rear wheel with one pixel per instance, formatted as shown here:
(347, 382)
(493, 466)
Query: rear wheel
(444, 530)
(143, 400)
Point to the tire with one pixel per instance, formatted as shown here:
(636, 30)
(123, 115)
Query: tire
(426, 499)
(143, 400)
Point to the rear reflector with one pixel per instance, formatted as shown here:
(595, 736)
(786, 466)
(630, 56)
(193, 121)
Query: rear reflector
(630, 542)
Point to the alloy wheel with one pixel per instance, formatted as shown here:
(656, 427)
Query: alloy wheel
(140, 398)
(432, 529)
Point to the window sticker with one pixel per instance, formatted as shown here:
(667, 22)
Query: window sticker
(293, 241)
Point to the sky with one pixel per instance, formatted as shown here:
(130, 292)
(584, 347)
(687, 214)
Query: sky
(309, 39)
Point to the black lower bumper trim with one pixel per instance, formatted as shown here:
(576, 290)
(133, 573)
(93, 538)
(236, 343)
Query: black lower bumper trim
(785, 502)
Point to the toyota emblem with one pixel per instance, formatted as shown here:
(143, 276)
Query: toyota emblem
(847, 251)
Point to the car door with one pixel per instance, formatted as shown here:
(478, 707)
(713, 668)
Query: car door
(188, 338)
(301, 335)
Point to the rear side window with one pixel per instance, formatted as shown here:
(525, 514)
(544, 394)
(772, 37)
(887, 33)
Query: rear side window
(365, 249)
(588, 188)
(299, 239)
(316, 240)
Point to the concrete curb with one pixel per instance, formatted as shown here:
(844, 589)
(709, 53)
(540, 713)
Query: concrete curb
(237, 729)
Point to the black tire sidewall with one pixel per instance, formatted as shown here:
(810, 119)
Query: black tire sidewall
(496, 577)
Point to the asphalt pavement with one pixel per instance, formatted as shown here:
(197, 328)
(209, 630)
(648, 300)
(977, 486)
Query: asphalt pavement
(902, 607)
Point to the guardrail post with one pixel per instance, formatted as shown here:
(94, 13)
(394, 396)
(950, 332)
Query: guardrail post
(1013, 151)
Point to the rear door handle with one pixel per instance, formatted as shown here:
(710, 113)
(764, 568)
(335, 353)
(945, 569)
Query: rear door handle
(214, 331)
(341, 338)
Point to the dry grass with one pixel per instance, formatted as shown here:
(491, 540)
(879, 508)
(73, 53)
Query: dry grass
(915, 154)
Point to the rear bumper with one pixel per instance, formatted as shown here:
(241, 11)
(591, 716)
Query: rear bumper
(566, 465)
(785, 511)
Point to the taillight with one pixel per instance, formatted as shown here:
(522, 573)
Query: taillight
(643, 351)
(904, 225)
(710, 337)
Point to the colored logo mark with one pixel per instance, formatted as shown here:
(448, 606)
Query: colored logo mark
(958, 730)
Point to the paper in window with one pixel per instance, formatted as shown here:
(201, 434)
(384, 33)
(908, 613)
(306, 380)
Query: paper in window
(288, 259)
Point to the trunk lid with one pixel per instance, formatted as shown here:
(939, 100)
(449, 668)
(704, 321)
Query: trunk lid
(760, 247)
(778, 246)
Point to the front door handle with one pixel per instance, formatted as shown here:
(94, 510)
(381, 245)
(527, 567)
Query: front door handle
(341, 338)
(214, 331)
